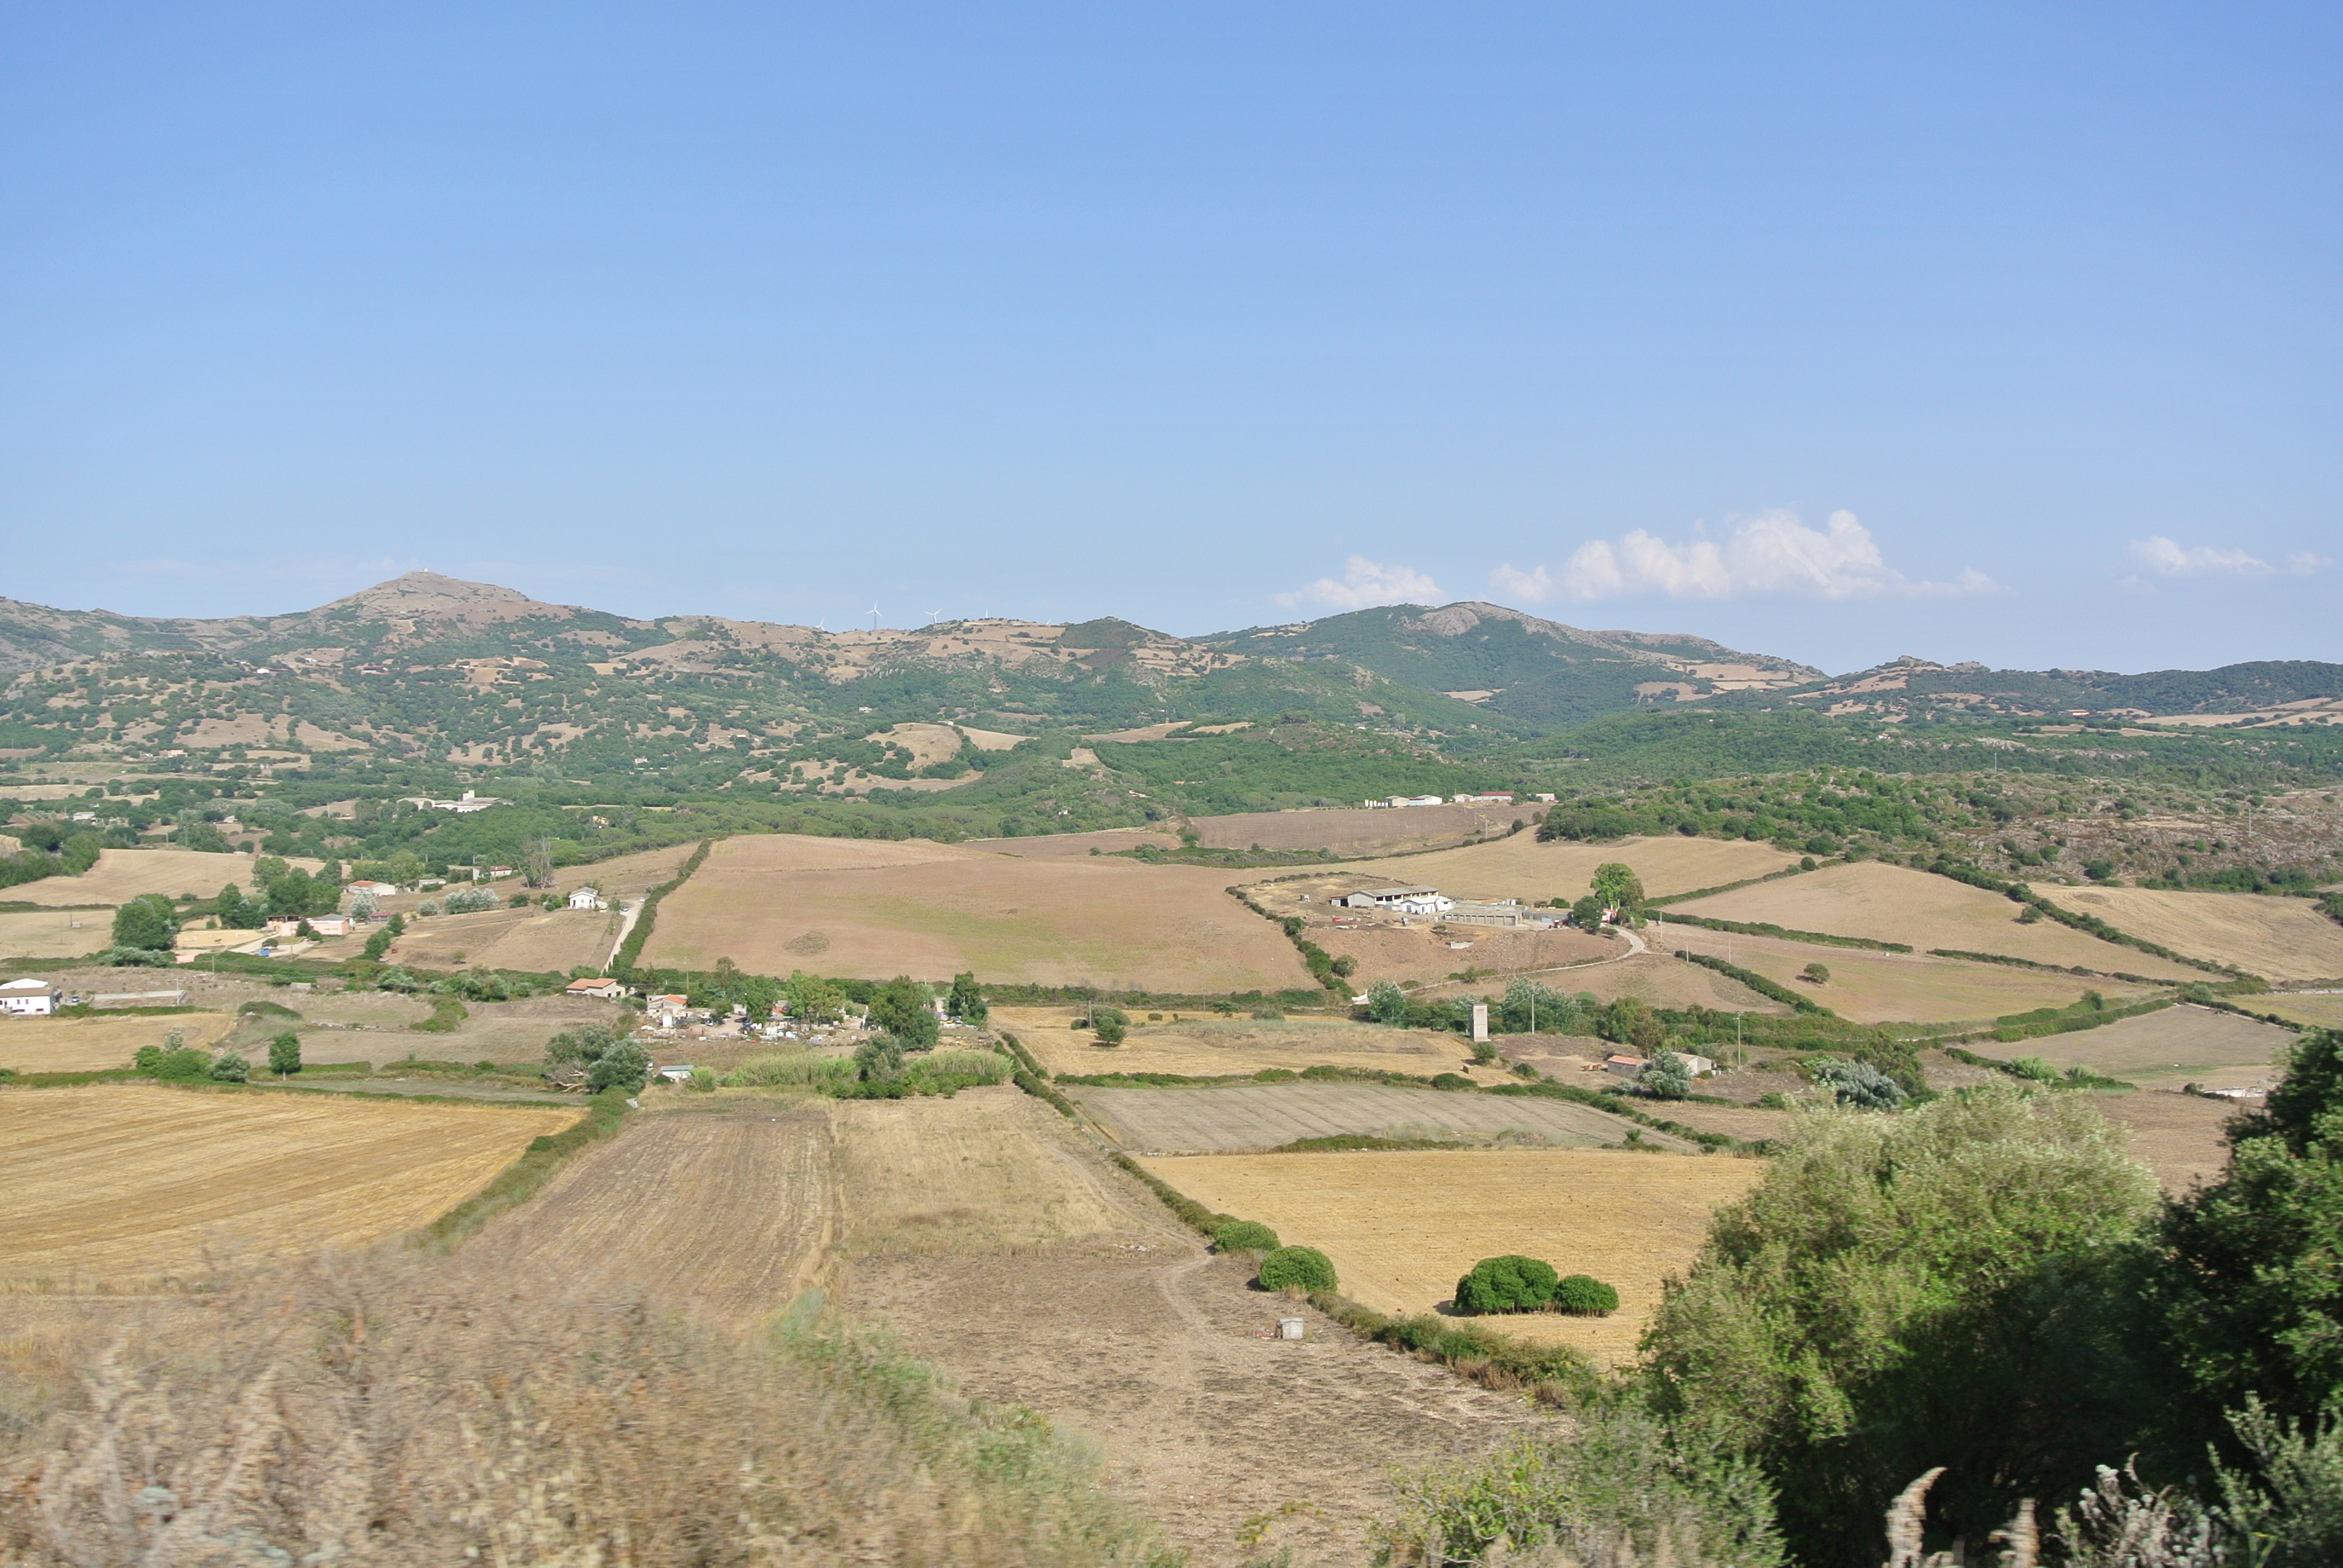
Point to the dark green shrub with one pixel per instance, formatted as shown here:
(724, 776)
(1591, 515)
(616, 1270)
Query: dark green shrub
(1109, 1024)
(1511, 1283)
(285, 1053)
(1585, 1296)
(1452, 1080)
(228, 1067)
(1302, 1268)
(1244, 1236)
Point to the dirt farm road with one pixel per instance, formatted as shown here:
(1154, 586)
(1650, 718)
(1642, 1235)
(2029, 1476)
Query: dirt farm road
(1004, 1250)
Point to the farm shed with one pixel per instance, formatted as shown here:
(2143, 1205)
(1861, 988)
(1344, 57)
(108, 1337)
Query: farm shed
(1404, 900)
(601, 988)
(28, 998)
(1624, 1066)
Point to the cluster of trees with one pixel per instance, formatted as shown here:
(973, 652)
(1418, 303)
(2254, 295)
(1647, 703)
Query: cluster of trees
(609, 1058)
(1513, 1284)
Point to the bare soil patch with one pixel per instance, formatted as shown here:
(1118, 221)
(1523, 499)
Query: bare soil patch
(124, 1184)
(92, 1044)
(1257, 1118)
(930, 911)
(531, 939)
(1893, 904)
(2167, 1048)
(2277, 939)
(122, 875)
(1880, 988)
(1401, 1228)
(1414, 952)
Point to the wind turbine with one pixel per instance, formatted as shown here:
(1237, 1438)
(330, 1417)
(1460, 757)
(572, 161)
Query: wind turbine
(934, 615)
(874, 617)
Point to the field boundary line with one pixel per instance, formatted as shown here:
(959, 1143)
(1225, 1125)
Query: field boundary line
(622, 959)
(518, 1182)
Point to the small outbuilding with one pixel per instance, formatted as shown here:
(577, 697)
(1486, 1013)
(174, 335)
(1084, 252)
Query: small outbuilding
(1624, 1066)
(601, 988)
(586, 899)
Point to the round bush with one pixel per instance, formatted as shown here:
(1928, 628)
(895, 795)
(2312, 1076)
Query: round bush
(1305, 1267)
(1508, 1284)
(1586, 1296)
(1244, 1236)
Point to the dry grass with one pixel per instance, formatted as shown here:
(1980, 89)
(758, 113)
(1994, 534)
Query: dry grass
(1892, 904)
(1400, 1228)
(54, 934)
(386, 1414)
(776, 902)
(531, 939)
(91, 1044)
(124, 1183)
(1261, 1117)
(1877, 988)
(2277, 939)
(1051, 846)
(1401, 954)
(122, 875)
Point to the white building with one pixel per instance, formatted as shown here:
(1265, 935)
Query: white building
(1400, 900)
(28, 997)
(586, 899)
(1398, 801)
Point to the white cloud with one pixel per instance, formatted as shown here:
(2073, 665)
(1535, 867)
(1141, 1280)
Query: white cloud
(1364, 583)
(2303, 564)
(1772, 552)
(2166, 560)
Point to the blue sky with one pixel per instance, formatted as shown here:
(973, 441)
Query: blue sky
(1997, 332)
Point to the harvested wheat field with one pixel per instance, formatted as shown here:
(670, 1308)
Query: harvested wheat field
(130, 1184)
(1657, 977)
(859, 907)
(1261, 1117)
(725, 1211)
(2277, 939)
(2180, 1136)
(1521, 867)
(122, 875)
(531, 939)
(1054, 846)
(93, 1044)
(2316, 1011)
(1893, 904)
(1199, 1045)
(55, 933)
(1400, 1228)
(1882, 988)
(1355, 832)
(2167, 1048)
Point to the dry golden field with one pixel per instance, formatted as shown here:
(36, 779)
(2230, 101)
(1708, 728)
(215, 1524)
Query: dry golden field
(123, 1184)
(1264, 1116)
(55, 933)
(2179, 1137)
(1355, 830)
(1403, 953)
(2277, 939)
(122, 875)
(1521, 867)
(1200, 1045)
(1892, 904)
(777, 902)
(2318, 1011)
(1051, 846)
(1883, 988)
(92, 1044)
(1400, 1228)
(530, 939)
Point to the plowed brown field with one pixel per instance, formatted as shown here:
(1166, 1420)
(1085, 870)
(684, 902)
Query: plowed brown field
(1400, 1228)
(123, 1184)
(837, 906)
